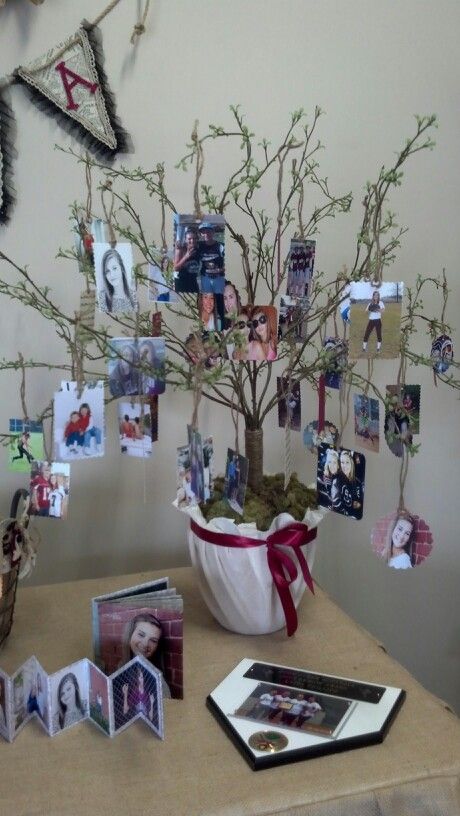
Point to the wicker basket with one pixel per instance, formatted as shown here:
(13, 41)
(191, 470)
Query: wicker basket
(9, 580)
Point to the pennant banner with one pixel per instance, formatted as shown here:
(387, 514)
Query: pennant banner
(68, 83)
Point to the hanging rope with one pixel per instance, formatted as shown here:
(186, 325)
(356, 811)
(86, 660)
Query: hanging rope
(139, 28)
(48, 449)
(107, 188)
(344, 399)
(198, 171)
(22, 388)
(403, 476)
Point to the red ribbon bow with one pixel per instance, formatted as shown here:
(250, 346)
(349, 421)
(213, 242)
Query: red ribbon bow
(280, 564)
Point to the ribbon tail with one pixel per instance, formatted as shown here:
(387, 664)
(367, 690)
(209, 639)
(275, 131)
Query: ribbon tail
(282, 587)
(305, 571)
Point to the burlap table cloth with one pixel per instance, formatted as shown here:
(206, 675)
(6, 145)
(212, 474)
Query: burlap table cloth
(197, 770)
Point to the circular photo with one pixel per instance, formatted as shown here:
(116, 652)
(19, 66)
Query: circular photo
(402, 539)
(442, 353)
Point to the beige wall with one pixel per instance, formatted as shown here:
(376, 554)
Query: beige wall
(370, 66)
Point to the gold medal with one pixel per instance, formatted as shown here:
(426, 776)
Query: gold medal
(269, 741)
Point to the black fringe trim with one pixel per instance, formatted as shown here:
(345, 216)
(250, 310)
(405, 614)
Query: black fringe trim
(8, 151)
(71, 126)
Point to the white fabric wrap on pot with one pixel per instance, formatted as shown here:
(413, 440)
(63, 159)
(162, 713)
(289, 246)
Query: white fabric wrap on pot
(237, 584)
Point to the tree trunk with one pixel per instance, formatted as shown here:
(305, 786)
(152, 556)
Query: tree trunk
(254, 446)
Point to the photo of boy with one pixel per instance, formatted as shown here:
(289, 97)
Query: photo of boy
(49, 489)
(199, 255)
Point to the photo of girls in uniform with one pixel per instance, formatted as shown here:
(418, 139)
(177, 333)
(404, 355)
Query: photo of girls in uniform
(161, 283)
(402, 540)
(49, 489)
(136, 366)
(115, 284)
(367, 418)
(26, 444)
(289, 403)
(340, 480)
(79, 421)
(295, 708)
(375, 319)
(236, 480)
(134, 423)
(199, 253)
(301, 265)
(253, 334)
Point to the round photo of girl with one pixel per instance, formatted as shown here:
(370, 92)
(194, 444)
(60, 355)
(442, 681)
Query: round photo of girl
(402, 540)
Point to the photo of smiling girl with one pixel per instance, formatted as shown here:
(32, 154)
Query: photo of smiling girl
(114, 278)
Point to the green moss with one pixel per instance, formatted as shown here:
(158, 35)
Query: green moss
(270, 500)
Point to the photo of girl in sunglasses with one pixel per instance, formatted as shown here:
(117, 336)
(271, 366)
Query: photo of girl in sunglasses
(253, 334)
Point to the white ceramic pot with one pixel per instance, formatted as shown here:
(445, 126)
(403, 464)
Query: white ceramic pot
(237, 584)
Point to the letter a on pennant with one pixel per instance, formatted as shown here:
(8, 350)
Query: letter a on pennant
(71, 85)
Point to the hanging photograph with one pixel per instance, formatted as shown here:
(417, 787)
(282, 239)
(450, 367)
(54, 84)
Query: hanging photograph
(199, 253)
(49, 489)
(407, 398)
(115, 284)
(337, 359)
(442, 353)
(151, 353)
(398, 422)
(367, 422)
(254, 335)
(160, 284)
(232, 304)
(289, 408)
(210, 309)
(123, 367)
(26, 444)
(402, 540)
(236, 480)
(301, 266)
(312, 438)
(206, 346)
(134, 424)
(79, 421)
(196, 463)
(375, 319)
(340, 481)
(293, 318)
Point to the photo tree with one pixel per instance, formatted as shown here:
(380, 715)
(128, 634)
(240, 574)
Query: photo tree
(234, 361)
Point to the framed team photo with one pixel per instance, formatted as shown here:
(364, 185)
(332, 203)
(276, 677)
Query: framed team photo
(278, 714)
(115, 284)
